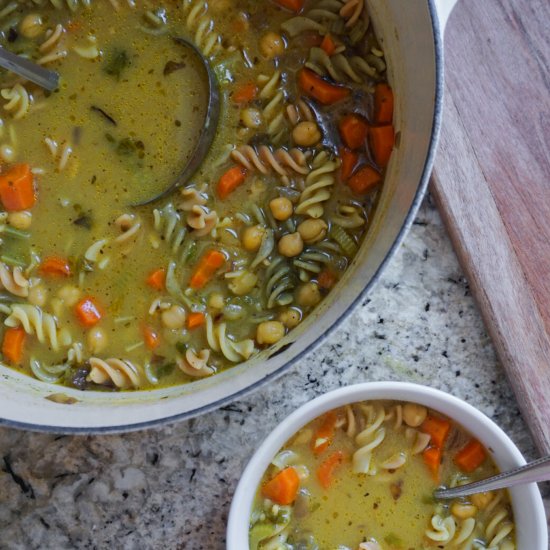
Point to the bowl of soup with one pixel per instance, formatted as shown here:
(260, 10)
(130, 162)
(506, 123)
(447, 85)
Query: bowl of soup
(133, 312)
(357, 467)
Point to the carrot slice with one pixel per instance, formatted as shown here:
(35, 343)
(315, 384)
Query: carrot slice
(283, 488)
(328, 45)
(322, 438)
(55, 266)
(88, 311)
(195, 320)
(151, 337)
(210, 262)
(437, 428)
(157, 279)
(292, 5)
(349, 162)
(364, 180)
(353, 130)
(381, 140)
(432, 458)
(245, 93)
(471, 457)
(383, 104)
(321, 90)
(17, 188)
(12, 345)
(326, 279)
(325, 471)
(230, 181)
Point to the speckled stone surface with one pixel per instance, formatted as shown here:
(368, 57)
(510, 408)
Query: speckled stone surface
(172, 487)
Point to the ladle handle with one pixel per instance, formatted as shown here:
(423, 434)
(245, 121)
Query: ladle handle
(538, 470)
(29, 70)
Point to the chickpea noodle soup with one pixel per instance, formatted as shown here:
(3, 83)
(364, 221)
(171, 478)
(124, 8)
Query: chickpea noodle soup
(100, 294)
(362, 478)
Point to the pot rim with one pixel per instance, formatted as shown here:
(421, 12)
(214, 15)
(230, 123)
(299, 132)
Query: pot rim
(504, 451)
(437, 31)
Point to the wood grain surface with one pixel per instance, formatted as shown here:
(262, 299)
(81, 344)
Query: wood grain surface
(492, 182)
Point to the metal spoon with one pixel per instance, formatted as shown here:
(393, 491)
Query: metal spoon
(209, 128)
(27, 69)
(538, 470)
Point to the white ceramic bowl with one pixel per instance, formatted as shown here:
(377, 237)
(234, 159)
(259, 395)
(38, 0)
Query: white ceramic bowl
(529, 514)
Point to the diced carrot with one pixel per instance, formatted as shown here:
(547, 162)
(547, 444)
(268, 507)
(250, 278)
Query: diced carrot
(381, 140)
(195, 320)
(437, 428)
(157, 279)
(283, 488)
(210, 262)
(322, 438)
(151, 337)
(471, 457)
(12, 345)
(55, 266)
(383, 104)
(325, 471)
(326, 279)
(310, 39)
(328, 45)
(230, 181)
(432, 458)
(17, 188)
(349, 162)
(292, 5)
(353, 130)
(88, 311)
(364, 180)
(245, 93)
(321, 90)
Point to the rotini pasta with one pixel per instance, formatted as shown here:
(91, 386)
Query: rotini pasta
(265, 160)
(199, 22)
(219, 341)
(121, 373)
(35, 321)
(18, 100)
(13, 280)
(273, 112)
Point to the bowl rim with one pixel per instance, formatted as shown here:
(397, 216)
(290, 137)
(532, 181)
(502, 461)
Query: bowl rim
(504, 451)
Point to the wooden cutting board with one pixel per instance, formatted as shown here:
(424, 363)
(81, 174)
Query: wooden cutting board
(492, 182)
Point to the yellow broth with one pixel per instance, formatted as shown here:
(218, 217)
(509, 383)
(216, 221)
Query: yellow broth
(120, 128)
(390, 508)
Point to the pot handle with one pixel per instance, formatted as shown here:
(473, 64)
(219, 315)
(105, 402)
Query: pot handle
(444, 9)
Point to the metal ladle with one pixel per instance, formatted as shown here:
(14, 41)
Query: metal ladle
(50, 80)
(208, 131)
(27, 69)
(536, 471)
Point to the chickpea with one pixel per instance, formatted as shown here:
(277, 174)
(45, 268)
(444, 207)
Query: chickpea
(306, 134)
(482, 500)
(7, 153)
(97, 339)
(252, 237)
(308, 295)
(291, 245)
(243, 284)
(20, 220)
(463, 511)
(290, 317)
(173, 317)
(216, 301)
(313, 231)
(251, 118)
(272, 44)
(38, 295)
(414, 414)
(31, 25)
(69, 294)
(281, 208)
(270, 332)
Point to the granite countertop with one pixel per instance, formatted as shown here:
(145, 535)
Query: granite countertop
(172, 486)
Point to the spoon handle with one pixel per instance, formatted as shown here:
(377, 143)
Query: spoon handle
(29, 70)
(538, 470)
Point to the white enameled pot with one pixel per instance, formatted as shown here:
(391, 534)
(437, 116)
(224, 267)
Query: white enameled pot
(411, 34)
(529, 514)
